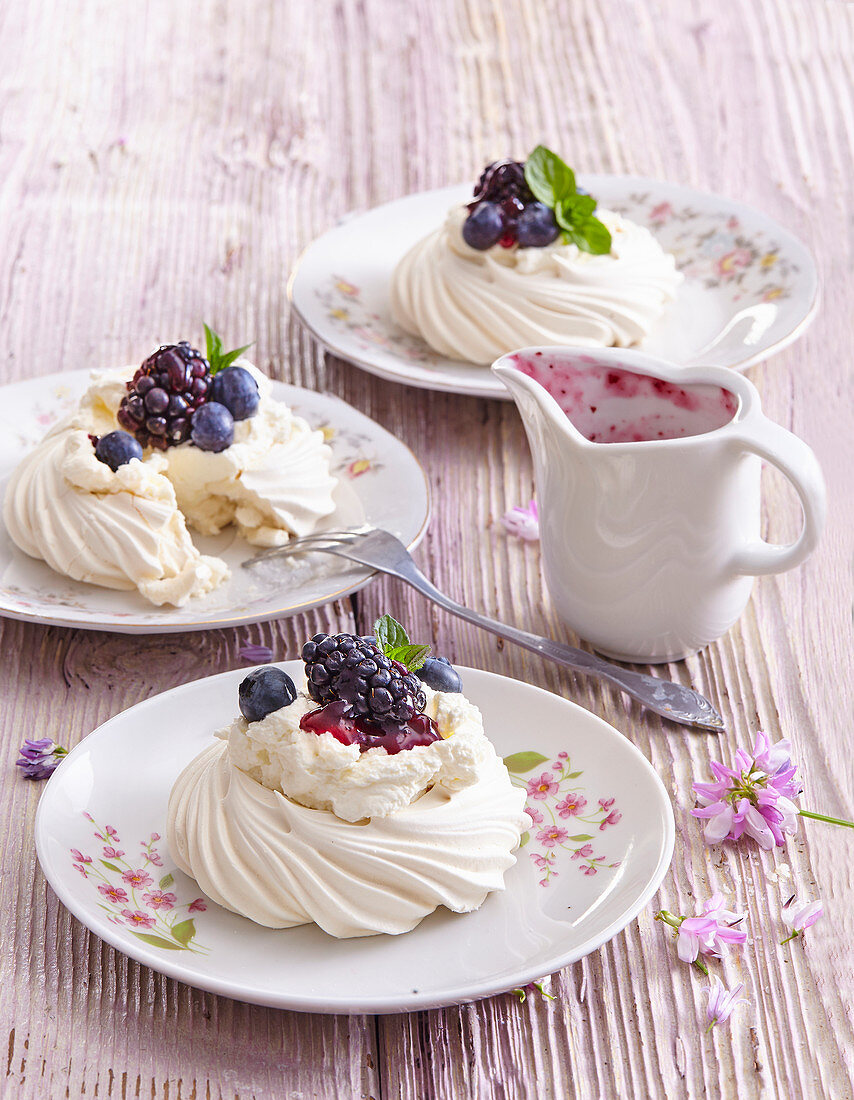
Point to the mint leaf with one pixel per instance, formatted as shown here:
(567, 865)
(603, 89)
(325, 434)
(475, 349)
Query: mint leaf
(574, 208)
(550, 178)
(587, 234)
(213, 344)
(218, 358)
(412, 657)
(390, 634)
(524, 761)
(597, 237)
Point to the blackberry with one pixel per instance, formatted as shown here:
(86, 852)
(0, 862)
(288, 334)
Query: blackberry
(354, 671)
(502, 185)
(504, 179)
(164, 394)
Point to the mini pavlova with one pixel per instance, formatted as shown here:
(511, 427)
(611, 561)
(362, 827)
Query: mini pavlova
(360, 802)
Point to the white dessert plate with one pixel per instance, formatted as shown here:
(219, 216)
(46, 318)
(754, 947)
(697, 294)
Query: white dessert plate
(593, 860)
(380, 483)
(750, 286)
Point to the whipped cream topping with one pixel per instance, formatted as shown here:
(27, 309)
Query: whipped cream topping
(128, 529)
(320, 772)
(272, 482)
(475, 306)
(122, 530)
(259, 853)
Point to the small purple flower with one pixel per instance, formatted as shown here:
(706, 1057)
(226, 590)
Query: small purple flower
(524, 523)
(255, 654)
(710, 932)
(755, 797)
(798, 917)
(39, 759)
(722, 1001)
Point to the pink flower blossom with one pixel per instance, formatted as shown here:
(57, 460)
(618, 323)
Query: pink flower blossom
(729, 265)
(710, 932)
(112, 853)
(522, 522)
(606, 803)
(587, 869)
(571, 805)
(80, 857)
(659, 214)
(79, 867)
(154, 858)
(197, 906)
(612, 819)
(137, 878)
(541, 787)
(552, 836)
(111, 832)
(754, 798)
(722, 1001)
(158, 900)
(255, 654)
(563, 756)
(155, 837)
(798, 917)
(114, 893)
(584, 852)
(137, 918)
(535, 815)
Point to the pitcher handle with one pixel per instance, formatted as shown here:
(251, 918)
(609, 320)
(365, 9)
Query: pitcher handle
(797, 462)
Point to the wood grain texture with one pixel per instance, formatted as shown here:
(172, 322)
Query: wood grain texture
(164, 163)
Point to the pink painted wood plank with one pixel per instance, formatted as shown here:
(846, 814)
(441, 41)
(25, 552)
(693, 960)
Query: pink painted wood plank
(163, 164)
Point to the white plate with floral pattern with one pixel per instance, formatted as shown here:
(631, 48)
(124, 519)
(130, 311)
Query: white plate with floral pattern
(750, 287)
(380, 483)
(601, 843)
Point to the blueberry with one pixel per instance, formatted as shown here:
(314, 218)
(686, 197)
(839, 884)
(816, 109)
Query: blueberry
(439, 674)
(263, 691)
(213, 427)
(235, 388)
(116, 449)
(483, 227)
(536, 226)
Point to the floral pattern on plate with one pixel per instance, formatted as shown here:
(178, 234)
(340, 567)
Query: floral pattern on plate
(556, 803)
(135, 894)
(715, 248)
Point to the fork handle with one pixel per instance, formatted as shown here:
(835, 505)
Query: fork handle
(661, 696)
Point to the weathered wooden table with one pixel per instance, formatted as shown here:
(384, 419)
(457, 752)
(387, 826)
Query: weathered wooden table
(165, 163)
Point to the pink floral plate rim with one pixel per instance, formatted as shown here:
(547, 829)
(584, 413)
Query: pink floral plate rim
(760, 279)
(593, 860)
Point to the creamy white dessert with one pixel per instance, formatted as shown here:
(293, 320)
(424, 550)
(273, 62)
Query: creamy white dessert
(119, 529)
(127, 528)
(288, 826)
(476, 305)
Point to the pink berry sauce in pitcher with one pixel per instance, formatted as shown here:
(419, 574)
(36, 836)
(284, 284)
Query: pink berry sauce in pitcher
(613, 405)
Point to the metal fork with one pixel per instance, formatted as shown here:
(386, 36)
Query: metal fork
(382, 551)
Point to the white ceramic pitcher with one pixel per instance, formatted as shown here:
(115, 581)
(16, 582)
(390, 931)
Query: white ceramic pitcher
(648, 489)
